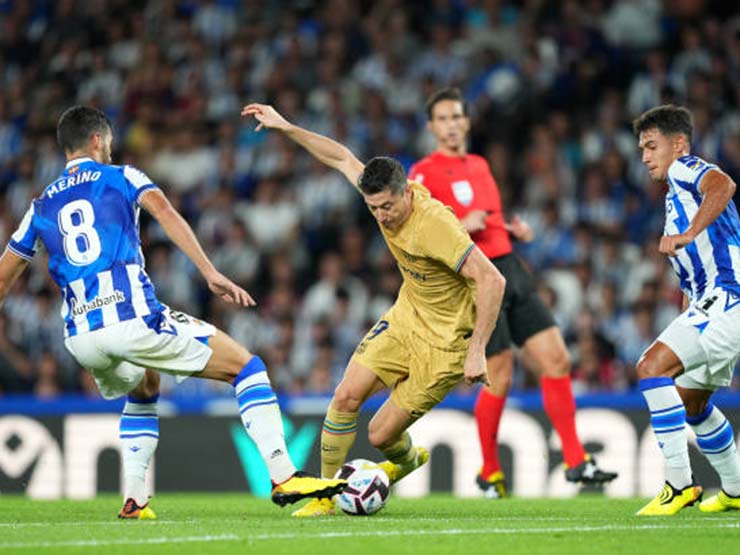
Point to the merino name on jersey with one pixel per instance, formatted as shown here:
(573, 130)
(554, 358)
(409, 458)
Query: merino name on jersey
(75, 179)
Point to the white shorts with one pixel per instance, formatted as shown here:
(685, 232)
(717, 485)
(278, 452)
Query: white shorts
(117, 356)
(706, 337)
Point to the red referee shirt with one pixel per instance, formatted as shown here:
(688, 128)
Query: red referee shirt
(465, 183)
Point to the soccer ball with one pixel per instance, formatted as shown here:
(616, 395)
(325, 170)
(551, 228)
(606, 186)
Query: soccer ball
(367, 490)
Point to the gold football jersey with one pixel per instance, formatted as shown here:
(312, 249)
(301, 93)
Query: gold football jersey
(430, 247)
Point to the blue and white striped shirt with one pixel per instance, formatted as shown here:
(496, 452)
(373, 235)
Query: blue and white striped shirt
(713, 258)
(88, 221)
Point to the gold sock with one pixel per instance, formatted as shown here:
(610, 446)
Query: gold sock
(337, 437)
(401, 452)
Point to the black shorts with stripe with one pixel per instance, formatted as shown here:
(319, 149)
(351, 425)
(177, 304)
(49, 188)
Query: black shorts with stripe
(523, 313)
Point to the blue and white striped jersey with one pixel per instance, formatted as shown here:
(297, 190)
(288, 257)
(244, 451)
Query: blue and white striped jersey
(713, 258)
(88, 221)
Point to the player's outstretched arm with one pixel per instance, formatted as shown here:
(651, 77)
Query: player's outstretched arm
(718, 190)
(180, 233)
(324, 149)
(489, 292)
(11, 267)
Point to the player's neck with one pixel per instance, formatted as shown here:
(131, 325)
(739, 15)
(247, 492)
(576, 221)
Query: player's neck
(452, 152)
(77, 154)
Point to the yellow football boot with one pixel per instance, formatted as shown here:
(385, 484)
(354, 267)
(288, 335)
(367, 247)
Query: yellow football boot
(397, 471)
(720, 503)
(132, 511)
(317, 507)
(301, 485)
(670, 500)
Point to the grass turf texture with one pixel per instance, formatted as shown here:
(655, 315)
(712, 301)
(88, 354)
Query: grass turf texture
(231, 523)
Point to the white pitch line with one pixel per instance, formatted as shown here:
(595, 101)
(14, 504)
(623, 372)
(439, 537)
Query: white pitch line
(116, 522)
(361, 533)
(458, 531)
(103, 543)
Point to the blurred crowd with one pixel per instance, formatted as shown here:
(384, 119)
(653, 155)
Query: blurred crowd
(552, 89)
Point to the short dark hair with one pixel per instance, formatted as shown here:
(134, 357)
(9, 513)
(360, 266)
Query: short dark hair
(382, 173)
(668, 119)
(448, 93)
(76, 125)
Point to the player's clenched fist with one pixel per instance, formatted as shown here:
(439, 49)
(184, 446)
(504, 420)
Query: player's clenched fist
(669, 244)
(267, 116)
(475, 369)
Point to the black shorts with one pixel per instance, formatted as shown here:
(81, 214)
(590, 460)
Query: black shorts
(523, 313)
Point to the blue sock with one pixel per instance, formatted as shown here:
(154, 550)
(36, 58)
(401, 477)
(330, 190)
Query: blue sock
(717, 442)
(139, 433)
(668, 419)
(261, 417)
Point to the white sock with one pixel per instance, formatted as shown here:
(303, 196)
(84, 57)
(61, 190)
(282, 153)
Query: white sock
(668, 419)
(139, 433)
(261, 417)
(717, 441)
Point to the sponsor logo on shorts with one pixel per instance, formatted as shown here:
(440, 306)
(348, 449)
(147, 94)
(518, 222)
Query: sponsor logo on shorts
(80, 309)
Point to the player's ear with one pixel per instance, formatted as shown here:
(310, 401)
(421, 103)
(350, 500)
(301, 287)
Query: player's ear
(96, 141)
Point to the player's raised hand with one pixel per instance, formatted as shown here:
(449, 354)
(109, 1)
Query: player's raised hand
(229, 291)
(475, 369)
(669, 244)
(266, 115)
(519, 229)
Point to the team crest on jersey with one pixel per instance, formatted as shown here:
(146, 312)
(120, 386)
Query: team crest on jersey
(463, 192)
(73, 170)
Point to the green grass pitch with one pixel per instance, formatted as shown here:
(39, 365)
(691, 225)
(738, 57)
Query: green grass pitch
(232, 523)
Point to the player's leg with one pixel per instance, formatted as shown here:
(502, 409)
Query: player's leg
(656, 370)
(340, 425)
(260, 414)
(432, 373)
(178, 344)
(549, 355)
(139, 434)
(716, 440)
(388, 433)
(139, 427)
(489, 407)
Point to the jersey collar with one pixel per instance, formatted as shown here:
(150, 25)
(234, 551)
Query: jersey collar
(77, 161)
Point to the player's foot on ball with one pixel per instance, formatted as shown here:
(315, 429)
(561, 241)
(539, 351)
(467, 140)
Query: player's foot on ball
(493, 487)
(588, 472)
(720, 503)
(397, 471)
(671, 500)
(301, 485)
(317, 507)
(133, 511)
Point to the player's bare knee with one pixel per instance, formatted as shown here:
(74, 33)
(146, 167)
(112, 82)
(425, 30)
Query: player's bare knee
(346, 399)
(558, 364)
(647, 368)
(379, 438)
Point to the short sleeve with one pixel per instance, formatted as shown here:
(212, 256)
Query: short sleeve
(688, 171)
(443, 238)
(137, 182)
(25, 241)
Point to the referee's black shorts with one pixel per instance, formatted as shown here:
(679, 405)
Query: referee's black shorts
(523, 313)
